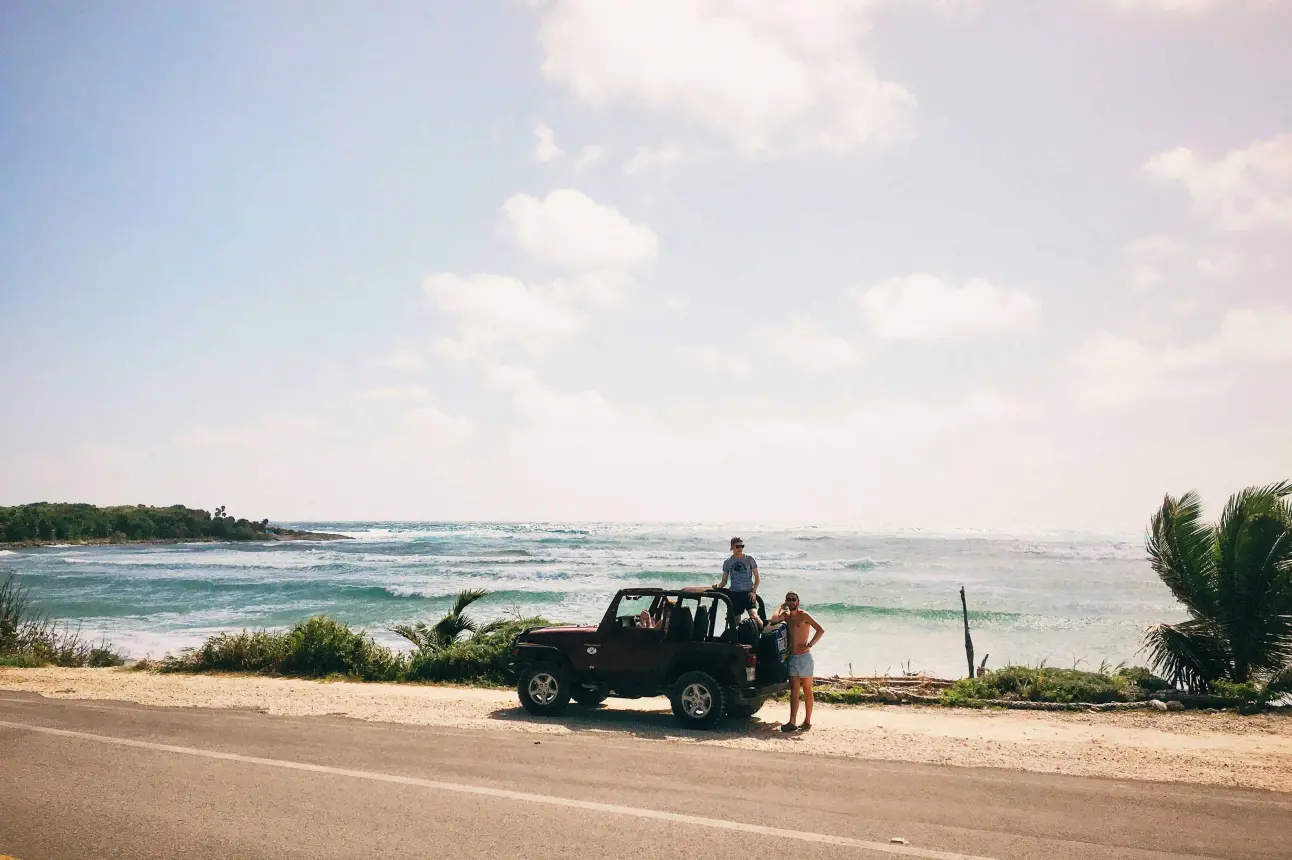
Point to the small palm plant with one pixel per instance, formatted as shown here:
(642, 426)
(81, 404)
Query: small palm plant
(450, 628)
(1235, 580)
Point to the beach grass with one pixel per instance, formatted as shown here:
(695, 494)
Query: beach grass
(1061, 686)
(29, 639)
(322, 647)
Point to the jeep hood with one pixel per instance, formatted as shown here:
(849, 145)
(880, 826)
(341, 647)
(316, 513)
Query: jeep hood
(556, 630)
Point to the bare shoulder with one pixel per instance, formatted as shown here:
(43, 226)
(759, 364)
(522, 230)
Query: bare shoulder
(807, 618)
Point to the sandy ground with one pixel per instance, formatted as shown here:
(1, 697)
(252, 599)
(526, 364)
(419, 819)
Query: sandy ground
(1214, 749)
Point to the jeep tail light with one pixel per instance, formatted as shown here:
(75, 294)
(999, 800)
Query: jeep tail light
(751, 661)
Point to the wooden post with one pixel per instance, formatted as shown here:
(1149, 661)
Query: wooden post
(968, 639)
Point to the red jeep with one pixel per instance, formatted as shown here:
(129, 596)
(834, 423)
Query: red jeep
(690, 644)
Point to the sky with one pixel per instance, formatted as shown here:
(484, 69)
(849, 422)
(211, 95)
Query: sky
(939, 264)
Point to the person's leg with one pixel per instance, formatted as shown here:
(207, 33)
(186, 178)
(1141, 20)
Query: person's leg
(807, 701)
(794, 700)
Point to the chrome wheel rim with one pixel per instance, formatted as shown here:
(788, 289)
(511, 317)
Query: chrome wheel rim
(697, 701)
(543, 688)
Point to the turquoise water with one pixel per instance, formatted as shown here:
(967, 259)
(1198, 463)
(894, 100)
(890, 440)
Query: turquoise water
(887, 601)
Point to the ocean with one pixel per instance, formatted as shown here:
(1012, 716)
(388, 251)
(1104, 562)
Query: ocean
(888, 602)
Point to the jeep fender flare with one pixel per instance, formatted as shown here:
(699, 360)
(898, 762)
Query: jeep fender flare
(532, 653)
(715, 668)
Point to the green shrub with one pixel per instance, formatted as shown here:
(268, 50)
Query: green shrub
(1055, 685)
(248, 651)
(322, 646)
(20, 661)
(1145, 680)
(315, 648)
(484, 658)
(29, 639)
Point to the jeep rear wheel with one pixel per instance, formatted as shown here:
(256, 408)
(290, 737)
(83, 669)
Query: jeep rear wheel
(589, 696)
(544, 689)
(699, 701)
(745, 711)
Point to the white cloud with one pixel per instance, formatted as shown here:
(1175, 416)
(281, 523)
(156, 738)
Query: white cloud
(494, 312)
(1150, 259)
(425, 431)
(545, 149)
(1246, 189)
(402, 358)
(805, 345)
(924, 307)
(602, 288)
(651, 158)
(570, 229)
(1112, 370)
(398, 394)
(1184, 7)
(761, 73)
(588, 156)
(711, 359)
(272, 432)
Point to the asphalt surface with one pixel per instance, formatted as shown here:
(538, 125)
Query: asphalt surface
(82, 780)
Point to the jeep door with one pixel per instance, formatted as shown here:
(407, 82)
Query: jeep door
(628, 654)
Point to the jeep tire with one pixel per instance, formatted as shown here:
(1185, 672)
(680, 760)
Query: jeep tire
(544, 689)
(699, 701)
(745, 711)
(589, 696)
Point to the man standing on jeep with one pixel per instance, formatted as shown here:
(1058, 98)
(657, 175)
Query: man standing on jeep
(802, 666)
(742, 571)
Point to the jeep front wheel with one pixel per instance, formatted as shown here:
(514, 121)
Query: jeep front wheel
(589, 696)
(699, 701)
(544, 689)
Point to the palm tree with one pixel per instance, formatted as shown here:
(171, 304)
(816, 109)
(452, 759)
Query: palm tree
(448, 629)
(1235, 580)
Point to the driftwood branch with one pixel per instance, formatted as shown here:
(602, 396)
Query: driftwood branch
(968, 639)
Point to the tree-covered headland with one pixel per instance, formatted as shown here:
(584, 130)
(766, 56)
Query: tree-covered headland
(46, 522)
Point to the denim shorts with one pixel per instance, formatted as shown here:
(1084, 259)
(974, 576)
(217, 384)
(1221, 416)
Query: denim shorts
(801, 666)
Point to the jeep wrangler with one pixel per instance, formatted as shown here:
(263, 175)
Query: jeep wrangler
(690, 644)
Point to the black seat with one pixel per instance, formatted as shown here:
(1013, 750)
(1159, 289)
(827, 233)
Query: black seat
(680, 625)
(701, 623)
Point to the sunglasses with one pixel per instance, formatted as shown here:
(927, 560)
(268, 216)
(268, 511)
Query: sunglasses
(737, 546)
(791, 600)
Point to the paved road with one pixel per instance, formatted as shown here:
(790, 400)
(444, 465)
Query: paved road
(86, 780)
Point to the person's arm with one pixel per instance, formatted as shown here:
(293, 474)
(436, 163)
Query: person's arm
(756, 579)
(723, 584)
(820, 631)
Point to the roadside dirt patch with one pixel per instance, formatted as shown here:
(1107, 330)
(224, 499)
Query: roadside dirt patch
(1212, 749)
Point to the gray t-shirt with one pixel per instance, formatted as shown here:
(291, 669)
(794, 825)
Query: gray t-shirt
(740, 572)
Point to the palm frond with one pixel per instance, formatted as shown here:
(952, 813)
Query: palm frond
(1181, 549)
(1254, 546)
(450, 627)
(1252, 503)
(1188, 653)
(1279, 684)
(493, 626)
(419, 634)
(465, 598)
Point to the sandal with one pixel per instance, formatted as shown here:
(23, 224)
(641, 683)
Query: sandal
(788, 727)
(805, 727)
